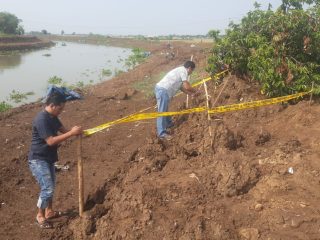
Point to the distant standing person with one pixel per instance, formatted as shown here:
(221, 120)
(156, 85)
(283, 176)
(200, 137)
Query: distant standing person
(173, 81)
(43, 154)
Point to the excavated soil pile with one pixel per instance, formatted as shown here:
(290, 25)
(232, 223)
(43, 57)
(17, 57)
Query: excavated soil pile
(256, 177)
(237, 188)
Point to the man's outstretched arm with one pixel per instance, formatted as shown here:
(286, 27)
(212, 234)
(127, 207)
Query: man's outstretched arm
(187, 88)
(51, 141)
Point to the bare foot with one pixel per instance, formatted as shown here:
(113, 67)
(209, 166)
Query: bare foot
(43, 223)
(53, 214)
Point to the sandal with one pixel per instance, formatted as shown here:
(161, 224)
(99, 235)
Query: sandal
(55, 214)
(44, 224)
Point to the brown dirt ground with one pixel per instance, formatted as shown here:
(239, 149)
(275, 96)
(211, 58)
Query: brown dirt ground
(138, 187)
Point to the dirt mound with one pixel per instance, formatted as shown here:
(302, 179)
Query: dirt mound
(238, 188)
(256, 177)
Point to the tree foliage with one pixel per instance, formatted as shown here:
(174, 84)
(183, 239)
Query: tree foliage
(296, 4)
(214, 34)
(280, 49)
(9, 24)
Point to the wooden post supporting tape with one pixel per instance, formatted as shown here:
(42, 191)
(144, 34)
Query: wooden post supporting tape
(187, 101)
(311, 94)
(80, 176)
(209, 117)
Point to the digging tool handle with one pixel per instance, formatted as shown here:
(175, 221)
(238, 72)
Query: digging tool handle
(80, 176)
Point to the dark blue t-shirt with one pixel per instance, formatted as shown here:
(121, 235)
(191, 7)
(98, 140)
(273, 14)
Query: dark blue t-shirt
(44, 125)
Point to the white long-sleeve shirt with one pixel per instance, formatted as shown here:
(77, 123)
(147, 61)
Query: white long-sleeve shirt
(173, 80)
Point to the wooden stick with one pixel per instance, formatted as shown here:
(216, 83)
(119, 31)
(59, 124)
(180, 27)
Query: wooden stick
(311, 94)
(209, 117)
(187, 102)
(80, 177)
(225, 84)
(214, 103)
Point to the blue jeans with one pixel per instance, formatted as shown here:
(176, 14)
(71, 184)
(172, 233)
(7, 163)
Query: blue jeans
(163, 104)
(44, 173)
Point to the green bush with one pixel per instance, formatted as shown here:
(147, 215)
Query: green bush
(280, 49)
(138, 56)
(4, 106)
(117, 72)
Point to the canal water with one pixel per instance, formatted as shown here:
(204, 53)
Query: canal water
(73, 62)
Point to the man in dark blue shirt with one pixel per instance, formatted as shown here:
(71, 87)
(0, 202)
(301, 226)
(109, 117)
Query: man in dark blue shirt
(43, 153)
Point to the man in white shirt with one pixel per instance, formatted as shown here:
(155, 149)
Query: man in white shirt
(173, 81)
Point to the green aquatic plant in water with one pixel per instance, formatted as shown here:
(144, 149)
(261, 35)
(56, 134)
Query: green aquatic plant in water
(106, 72)
(18, 97)
(55, 80)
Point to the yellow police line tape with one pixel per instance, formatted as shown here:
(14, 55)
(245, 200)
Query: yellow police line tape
(106, 125)
(209, 78)
(216, 76)
(221, 109)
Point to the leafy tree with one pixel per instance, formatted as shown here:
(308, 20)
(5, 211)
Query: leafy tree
(9, 24)
(214, 34)
(256, 5)
(296, 4)
(280, 49)
(20, 30)
(44, 31)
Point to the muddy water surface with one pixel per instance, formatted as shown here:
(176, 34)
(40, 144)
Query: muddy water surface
(73, 62)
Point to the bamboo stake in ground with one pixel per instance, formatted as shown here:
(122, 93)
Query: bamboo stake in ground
(187, 102)
(214, 103)
(80, 176)
(311, 94)
(209, 117)
(225, 84)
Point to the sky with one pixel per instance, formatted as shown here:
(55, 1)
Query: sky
(130, 17)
